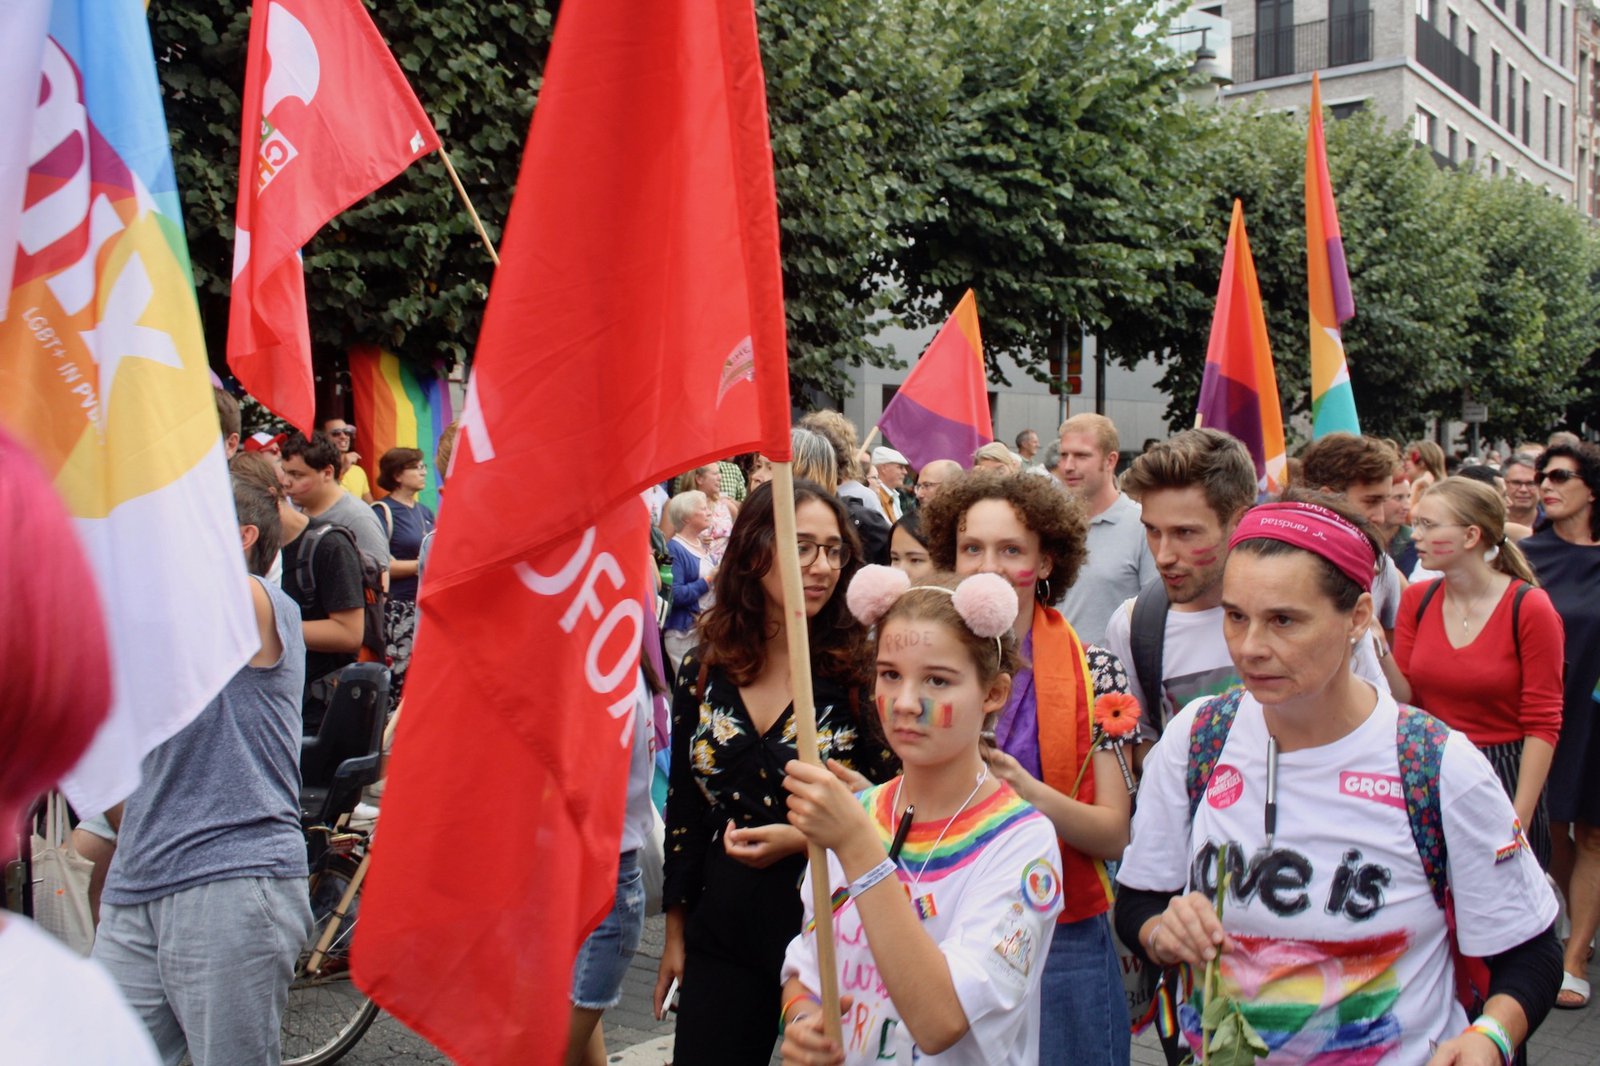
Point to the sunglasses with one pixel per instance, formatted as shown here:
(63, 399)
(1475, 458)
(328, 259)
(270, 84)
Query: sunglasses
(348, 431)
(1560, 476)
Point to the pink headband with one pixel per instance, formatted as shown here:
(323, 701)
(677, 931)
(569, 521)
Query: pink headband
(1313, 529)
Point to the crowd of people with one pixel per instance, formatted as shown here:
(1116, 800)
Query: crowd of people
(1323, 758)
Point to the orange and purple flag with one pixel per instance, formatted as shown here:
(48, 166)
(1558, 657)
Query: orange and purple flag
(942, 409)
(1239, 394)
(1333, 403)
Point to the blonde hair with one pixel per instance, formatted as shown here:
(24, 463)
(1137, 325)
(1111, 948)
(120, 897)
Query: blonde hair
(1472, 503)
(999, 453)
(1428, 455)
(814, 458)
(840, 432)
(1097, 427)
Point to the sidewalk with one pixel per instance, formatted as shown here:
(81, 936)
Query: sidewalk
(635, 1038)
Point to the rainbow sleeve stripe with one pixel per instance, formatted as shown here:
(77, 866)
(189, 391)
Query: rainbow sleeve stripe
(942, 409)
(1239, 393)
(1333, 403)
(398, 407)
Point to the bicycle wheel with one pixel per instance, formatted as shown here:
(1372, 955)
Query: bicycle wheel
(327, 1014)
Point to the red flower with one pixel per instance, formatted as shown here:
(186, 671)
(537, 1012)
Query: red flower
(1117, 714)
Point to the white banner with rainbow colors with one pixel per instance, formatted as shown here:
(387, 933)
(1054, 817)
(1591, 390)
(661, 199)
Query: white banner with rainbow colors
(103, 372)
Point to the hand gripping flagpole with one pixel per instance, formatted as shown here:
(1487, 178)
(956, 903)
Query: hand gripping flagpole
(787, 553)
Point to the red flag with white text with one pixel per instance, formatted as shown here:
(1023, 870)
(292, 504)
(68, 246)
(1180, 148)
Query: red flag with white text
(634, 329)
(328, 119)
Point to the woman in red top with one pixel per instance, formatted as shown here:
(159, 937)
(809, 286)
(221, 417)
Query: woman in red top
(1475, 657)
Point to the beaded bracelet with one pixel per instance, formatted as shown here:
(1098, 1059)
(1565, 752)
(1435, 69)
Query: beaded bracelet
(1489, 1027)
(871, 877)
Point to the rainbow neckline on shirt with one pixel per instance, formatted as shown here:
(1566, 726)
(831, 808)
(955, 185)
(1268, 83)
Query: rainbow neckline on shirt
(962, 841)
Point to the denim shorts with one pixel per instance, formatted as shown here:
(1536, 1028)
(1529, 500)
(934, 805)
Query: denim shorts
(604, 957)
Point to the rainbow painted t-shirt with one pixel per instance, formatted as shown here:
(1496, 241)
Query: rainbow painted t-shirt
(1341, 956)
(988, 893)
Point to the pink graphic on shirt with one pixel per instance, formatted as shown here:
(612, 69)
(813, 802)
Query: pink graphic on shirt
(1380, 788)
(1227, 785)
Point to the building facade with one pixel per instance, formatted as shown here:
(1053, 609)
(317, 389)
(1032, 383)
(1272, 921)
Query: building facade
(1486, 83)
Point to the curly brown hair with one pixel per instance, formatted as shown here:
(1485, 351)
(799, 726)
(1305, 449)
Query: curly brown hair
(1057, 518)
(734, 630)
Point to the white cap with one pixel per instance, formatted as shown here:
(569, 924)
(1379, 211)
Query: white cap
(881, 455)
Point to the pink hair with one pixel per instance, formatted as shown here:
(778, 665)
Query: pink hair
(55, 673)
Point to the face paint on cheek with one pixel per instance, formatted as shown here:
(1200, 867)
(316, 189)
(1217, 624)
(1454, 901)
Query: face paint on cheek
(1441, 549)
(936, 715)
(883, 707)
(1206, 557)
(1025, 578)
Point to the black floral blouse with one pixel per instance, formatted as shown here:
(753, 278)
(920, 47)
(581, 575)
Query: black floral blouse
(723, 769)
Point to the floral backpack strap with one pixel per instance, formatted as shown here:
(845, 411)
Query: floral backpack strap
(1419, 745)
(1207, 737)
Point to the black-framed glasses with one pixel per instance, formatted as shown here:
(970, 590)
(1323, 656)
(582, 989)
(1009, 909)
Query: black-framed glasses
(838, 555)
(1560, 475)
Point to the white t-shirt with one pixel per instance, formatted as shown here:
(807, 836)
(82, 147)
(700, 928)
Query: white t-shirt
(56, 1007)
(1195, 662)
(988, 895)
(1340, 943)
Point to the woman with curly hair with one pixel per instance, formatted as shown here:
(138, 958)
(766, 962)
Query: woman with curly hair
(1028, 531)
(732, 860)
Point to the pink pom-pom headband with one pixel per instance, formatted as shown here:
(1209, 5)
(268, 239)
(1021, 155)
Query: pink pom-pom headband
(986, 603)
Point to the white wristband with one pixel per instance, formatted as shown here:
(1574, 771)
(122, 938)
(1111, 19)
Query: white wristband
(871, 877)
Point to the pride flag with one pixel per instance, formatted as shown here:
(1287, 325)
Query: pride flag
(398, 407)
(103, 371)
(1239, 394)
(942, 409)
(1333, 404)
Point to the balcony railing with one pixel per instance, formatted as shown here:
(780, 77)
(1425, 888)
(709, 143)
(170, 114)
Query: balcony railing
(1300, 49)
(1453, 66)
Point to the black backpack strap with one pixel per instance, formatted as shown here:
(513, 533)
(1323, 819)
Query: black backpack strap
(1516, 616)
(1429, 591)
(1147, 638)
(305, 574)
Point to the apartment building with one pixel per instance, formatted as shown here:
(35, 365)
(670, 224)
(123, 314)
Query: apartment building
(1487, 83)
(1586, 134)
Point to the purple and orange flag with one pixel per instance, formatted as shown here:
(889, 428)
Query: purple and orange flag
(1333, 403)
(1239, 394)
(942, 409)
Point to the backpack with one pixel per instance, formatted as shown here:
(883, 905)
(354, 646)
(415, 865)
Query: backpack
(872, 528)
(1432, 590)
(374, 648)
(1147, 640)
(1419, 749)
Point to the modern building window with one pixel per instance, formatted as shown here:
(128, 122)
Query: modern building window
(1472, 150)
(1494, 166)
(1549, 141)
(1453, 29)
(1274, 38)
(1349, 32)
(1561, 136)
(1511, 100)
(1561, 35)
(1451, 140)
(1472, 44)
(1494, 85)
(1520, 16)
(1427, 128)
(1345, 110)
(1527, 113)
(1549, 23)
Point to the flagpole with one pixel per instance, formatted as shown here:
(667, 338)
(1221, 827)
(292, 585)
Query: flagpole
(787, 552)
(461, 191)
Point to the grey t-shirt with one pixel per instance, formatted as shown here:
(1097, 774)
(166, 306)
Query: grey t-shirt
(1119, 565)
(357, 517)
(221, 798)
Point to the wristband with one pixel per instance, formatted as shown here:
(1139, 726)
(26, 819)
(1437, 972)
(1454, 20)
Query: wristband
(871, 877)
(783, 1012)
(1487, 1026)
(1150, 944)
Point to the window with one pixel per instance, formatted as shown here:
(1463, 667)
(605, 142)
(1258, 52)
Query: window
(1346, 109)
(1274, 38)
(1494, 85)
(1549, 23)
(1501, 4)
(1549, 142)
(1494, 166)
(1453, 29)
(1561, 136)
(1472, 151)
(1527, 113)
(1472, 44)
(1426, 131)
(1561, 35)
(1451, 139)
(1349, 32)
(1511, 99)
(1521, 18)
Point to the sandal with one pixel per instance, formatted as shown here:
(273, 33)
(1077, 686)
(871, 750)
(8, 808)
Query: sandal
(1574, 993)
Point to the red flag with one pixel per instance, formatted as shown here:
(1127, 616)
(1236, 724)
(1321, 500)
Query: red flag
(634, 329)
(328, 118)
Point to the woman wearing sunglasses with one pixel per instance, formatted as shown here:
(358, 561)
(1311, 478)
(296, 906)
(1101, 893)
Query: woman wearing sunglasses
(1565, 553)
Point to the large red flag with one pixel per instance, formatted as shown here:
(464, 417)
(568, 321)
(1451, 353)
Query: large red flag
(328, 118)
(634, 329)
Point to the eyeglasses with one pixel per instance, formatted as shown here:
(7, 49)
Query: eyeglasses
(347, 431)
(1560, 475)
(1514, 483)
(837, 554)
(1422, 525)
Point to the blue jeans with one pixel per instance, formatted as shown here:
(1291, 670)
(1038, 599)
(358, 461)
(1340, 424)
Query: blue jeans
(604, 957)
(1083, 1016)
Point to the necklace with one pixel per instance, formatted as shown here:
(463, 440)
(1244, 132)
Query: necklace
(917, 877)
(1466, 615)
(693, 546)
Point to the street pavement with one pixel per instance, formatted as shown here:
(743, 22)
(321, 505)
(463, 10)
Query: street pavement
(635, 1038)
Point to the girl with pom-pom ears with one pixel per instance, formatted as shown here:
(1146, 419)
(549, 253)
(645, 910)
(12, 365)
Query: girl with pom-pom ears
(945, 883)
(1046, 743)
(732, 859)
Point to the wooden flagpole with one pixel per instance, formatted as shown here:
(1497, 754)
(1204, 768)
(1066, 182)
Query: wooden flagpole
(461, 191)
(786, 550)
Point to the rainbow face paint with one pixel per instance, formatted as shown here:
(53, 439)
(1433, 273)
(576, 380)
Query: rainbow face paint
(931, 713)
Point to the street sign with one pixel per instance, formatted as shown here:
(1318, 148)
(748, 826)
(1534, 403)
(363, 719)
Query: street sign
(1474, 412)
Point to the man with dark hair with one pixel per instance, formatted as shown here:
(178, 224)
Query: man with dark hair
(351, 475)
(205, 908)
(1360, 469)
(228, 419)
(1192, 490)
(312, 468)
(1028, 447)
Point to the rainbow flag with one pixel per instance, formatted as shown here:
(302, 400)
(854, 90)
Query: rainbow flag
(1333, 403)
(942, 409)
(1239, 394)
(397, 407)
(103, 370)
